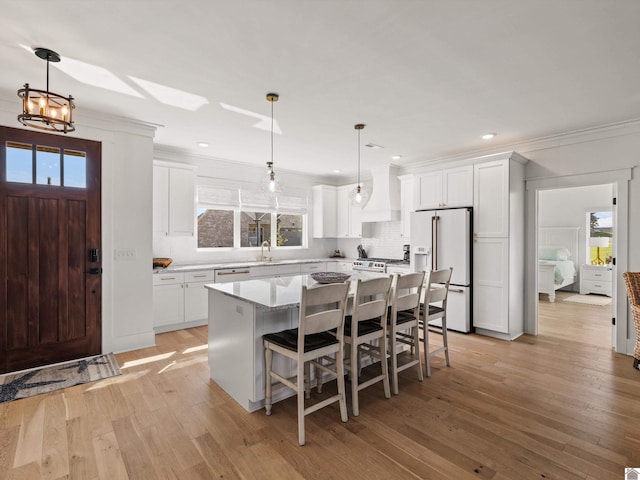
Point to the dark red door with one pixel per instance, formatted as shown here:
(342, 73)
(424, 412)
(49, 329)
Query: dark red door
(50, 248)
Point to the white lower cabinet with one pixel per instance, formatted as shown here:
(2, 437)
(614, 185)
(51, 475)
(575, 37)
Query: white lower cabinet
(491, 284)
(180, 297)
(168, 299)
(339, 266)
(313, 267)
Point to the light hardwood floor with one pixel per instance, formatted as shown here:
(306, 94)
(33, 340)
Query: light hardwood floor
(561, 405)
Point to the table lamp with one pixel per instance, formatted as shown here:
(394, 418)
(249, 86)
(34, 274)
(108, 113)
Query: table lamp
(598, 242)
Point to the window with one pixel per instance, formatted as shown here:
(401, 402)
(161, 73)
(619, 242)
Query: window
(215, 228)
(234, 218)
(600, 228)
(255, 228)
(290, 230)
(51, 165)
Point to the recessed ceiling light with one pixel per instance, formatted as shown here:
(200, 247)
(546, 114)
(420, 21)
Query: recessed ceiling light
(337, 170)
(203, 144)
(488, 136)
(396, 157)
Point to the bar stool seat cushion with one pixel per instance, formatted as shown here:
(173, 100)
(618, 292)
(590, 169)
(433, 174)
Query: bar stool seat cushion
(403, 317)
(289, 339)
(364, 328)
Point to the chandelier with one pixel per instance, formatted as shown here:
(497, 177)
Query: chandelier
(270, 186)
(43, 109)
(359, 195)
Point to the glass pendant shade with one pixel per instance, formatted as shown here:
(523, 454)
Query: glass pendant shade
(270, 186)
(359, 195)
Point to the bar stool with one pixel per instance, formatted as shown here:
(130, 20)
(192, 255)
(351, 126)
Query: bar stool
(366, 324)
(435, 308)
(403, 324)
(321, 311)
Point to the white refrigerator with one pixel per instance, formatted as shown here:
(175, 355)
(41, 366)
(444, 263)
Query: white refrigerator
(442, 239)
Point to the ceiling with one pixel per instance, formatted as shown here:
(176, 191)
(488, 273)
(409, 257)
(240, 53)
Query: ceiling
(427, 77)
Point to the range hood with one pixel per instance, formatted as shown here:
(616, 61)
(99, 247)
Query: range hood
(384, 201)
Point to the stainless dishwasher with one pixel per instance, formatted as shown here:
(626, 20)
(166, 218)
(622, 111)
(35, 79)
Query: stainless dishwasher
(226, 275)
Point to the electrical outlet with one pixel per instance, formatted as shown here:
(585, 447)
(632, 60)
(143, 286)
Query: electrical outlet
(125, 254)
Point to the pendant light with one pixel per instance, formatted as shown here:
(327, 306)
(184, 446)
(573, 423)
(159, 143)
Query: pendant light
(270, 185)
(43, 109)
(359, 195)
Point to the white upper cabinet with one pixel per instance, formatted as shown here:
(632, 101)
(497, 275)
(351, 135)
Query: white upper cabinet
(160, 200)
(334, 216)
(324, 211)
(348, 216)
(449, 188)
(173, 200)
(491, 187)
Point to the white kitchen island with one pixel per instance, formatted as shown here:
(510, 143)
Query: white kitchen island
(240, 313)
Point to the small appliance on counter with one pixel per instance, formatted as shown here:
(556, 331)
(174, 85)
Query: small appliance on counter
(361, 252)
(336, 254)
(407, 253)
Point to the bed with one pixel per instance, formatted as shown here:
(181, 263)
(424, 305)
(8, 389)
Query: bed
(557, 254)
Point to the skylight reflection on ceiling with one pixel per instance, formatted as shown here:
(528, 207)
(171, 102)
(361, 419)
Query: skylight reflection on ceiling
(92, 75)
(171, 96)
(263, 124)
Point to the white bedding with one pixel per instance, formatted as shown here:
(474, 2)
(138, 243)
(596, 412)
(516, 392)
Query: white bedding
(564, 271)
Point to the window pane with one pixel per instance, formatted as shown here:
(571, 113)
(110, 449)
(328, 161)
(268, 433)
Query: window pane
(255, 228)
(600, 241)
(47, 165)
(215, 228)
(289, 230)
(75, 169)
(19, 162)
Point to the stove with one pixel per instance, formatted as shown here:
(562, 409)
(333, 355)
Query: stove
(376, 264)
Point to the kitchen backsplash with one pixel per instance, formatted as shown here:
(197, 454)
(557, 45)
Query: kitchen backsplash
(381, 240)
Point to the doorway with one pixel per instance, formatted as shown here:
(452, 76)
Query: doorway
(620, 181)
(575, 271)
(50, 248)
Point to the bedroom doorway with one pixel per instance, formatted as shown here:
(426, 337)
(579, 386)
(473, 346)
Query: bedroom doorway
(619, 181)
(575, 271)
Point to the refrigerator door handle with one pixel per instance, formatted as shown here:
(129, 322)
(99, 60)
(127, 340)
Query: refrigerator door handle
(456, 290)
(434, 242)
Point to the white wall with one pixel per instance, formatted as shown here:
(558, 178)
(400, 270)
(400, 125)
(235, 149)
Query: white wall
(127, 155)
(380, 240)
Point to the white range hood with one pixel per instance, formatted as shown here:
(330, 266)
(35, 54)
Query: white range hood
(384, 201)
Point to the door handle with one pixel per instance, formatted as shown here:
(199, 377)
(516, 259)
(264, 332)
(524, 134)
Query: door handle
(95, 271)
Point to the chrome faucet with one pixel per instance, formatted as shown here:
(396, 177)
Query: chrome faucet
(266, 242)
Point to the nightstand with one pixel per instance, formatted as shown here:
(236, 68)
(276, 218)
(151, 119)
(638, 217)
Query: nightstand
(596, 279)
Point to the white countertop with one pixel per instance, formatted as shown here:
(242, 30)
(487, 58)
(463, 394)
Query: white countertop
(243, 264)
(280, 292)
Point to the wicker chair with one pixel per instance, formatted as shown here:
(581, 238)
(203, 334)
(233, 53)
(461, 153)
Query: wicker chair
(632, 281)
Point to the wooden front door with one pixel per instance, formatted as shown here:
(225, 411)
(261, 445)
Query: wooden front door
(50, 248)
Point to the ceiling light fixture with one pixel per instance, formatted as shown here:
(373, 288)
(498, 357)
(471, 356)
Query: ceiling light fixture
(203, 144)
(43, 109)
(359, 195)
(270, 186)
(396, 157)
(488, 136)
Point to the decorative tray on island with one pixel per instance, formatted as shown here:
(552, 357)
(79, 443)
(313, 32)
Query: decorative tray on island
(329, 277)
